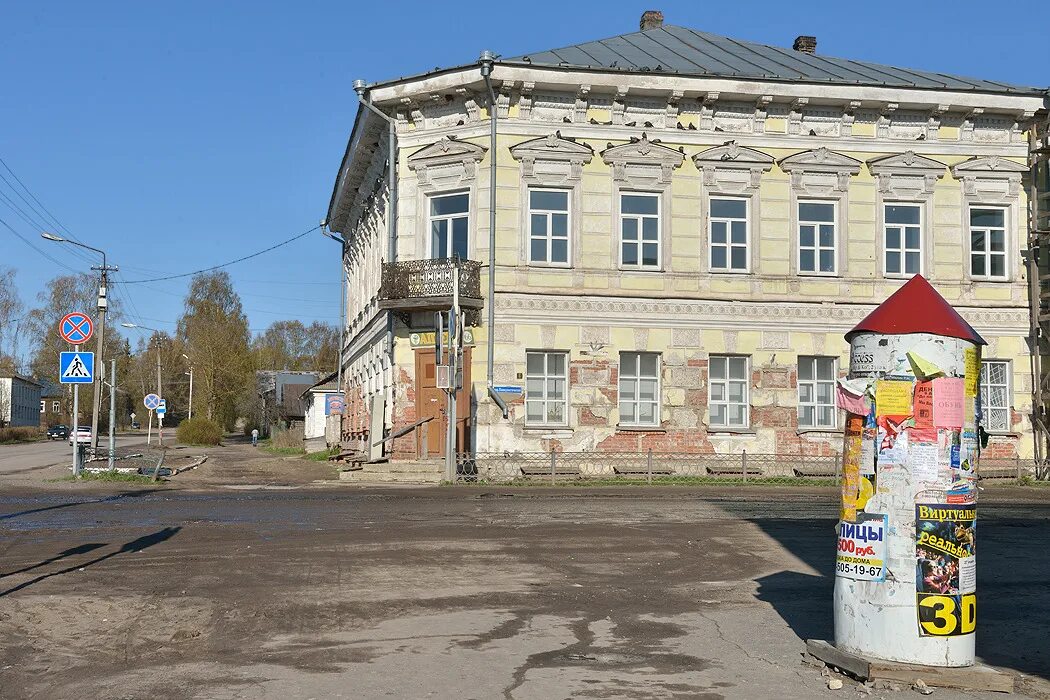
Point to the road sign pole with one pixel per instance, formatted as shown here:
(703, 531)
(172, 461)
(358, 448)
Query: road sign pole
(149, 430)
(76, 441)
(96, 407)
(112, 410)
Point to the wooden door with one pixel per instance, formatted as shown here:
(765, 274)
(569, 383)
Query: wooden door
(431, 402)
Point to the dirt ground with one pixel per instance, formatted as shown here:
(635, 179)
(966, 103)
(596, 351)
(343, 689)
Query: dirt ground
(278, 592)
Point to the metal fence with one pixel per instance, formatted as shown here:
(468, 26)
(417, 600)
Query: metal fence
(657, 468)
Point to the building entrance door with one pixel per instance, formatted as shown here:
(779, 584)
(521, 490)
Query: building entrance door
(431, 403)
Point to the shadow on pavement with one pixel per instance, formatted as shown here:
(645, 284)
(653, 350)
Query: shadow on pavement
(71, 504)
(136, 545)
(1013, 583)
(72, 551)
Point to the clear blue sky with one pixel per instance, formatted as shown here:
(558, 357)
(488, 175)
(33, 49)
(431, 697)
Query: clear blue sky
(180, 135)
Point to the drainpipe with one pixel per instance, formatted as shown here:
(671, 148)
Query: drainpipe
(391, 218)
(487, 59)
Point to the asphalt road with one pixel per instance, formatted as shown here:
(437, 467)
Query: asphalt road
(25, 457)
(455, 593)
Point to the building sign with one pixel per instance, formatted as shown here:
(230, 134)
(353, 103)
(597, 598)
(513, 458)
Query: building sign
(333, 404)
(425, 339)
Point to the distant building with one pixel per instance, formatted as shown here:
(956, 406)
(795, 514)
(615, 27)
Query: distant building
(53, 404)
(320, 430)
(281, 392)
(685, 226)
(19, 402)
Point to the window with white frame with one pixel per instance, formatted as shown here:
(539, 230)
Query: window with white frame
(449, 217)
(728, 398)
(816, 238)
(903, 241)
(640, 389)
(56, 407)
(988, 243)
(640, 230)
(816, 392)
(546, 388)
(43, 406)
(548, 226)
(995, 395)
(728, 235)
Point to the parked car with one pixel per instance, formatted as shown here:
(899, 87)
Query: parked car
(57, 432)
(83, 434)
(135, 425)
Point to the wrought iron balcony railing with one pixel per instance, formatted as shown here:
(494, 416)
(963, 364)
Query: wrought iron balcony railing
(421, 285)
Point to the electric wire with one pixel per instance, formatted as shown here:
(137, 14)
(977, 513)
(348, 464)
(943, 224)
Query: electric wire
(231, 262)
(30, 244)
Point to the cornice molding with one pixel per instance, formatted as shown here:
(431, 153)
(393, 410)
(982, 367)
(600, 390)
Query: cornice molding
(644, 152)
(821, 160)
(446, 151)
(552, 148)
(989, 166)
(821, 317)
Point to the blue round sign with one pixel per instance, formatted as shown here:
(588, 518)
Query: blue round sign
(152, 401)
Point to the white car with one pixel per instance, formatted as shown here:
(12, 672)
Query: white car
(83, 434)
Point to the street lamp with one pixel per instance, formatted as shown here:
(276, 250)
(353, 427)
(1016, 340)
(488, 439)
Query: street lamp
(191, 383)
(103, 282)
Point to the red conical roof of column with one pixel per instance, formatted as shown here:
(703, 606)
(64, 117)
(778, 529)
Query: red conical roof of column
(917, 308)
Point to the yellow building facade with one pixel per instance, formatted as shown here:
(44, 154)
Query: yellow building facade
(677, 256)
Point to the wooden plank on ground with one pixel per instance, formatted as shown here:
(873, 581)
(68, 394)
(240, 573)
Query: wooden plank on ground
(976, 677)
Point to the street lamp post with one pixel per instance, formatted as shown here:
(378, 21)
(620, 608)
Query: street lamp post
(103, 304)
(191, 383)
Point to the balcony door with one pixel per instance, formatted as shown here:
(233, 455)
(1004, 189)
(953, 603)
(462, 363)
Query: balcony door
(430, 403)
(449, 218)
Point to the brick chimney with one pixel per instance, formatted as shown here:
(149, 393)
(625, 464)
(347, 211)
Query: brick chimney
(651, 19)
(805, 44)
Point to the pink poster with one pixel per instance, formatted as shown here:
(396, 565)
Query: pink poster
(948, 402)
(853, 403)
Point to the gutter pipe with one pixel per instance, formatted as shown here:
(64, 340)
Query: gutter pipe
(487, 59)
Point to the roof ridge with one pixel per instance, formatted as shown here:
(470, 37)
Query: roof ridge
(744, 58)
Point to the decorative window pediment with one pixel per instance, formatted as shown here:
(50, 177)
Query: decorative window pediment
(732, 167)
(642, 160)
(552, 152)
(820, 171)
(446, 159)
(906, 175)
(990, 178)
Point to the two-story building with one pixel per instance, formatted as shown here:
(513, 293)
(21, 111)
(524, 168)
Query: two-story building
(685, 226)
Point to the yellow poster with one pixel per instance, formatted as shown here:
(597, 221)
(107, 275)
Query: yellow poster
(973, 370)
(893, 397)
(851, 466)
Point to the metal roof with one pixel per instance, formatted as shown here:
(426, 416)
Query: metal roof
(673, 49)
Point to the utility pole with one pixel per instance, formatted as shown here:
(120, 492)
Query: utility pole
(112, 411)
(103, 305)
(160, 393)
(191, 383)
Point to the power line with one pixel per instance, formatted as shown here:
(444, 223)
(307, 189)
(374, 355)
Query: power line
(231, 262)
(30, 244)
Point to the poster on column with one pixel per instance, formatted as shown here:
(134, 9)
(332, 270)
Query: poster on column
(851, 456)
(862, 548)
(945, 569)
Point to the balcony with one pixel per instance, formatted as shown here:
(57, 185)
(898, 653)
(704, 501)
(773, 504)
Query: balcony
(426, 285)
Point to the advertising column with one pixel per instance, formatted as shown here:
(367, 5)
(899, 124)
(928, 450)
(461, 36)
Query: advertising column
(905, 578)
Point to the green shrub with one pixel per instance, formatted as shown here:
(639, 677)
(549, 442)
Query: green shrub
(24, 434)
(199, 431)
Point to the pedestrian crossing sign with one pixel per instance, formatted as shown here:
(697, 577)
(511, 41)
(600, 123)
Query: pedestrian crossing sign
(76, 367)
